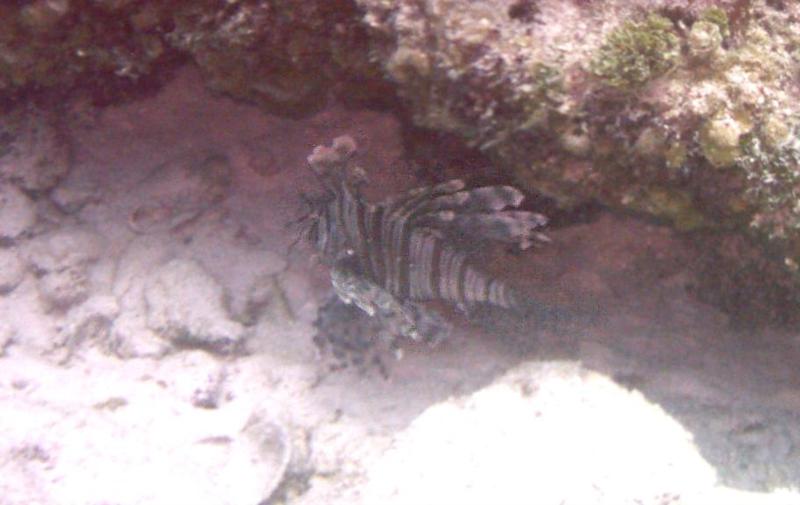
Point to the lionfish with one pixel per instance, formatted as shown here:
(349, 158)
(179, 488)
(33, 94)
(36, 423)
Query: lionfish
(389, 259)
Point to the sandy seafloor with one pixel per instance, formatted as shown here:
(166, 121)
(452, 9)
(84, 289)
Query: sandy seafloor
(156, 337)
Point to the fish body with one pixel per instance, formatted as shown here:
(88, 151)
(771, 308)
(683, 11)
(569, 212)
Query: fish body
(389, 258)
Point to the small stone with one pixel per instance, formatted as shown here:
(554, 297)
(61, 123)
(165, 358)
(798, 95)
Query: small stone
(675, 155)
(70, 198)
(12, 270)
(61, 259)
(17, 212)
(650, 143)
(130, 338)
(63, 288)
(775, 132)
(185, 305)
(7, 335)
(202, 378)
(407, 64)
(264, 296)
(576, 144)
(209, 394)
(91, 322)
(65, 248)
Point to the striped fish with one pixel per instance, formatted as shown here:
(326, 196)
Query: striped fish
(390, 256)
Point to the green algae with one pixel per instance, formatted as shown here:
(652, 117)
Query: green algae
(718, 17)
(719, 138)
(637, 52)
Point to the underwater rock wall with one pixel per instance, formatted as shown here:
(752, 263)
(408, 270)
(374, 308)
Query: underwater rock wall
(283, 55)
(683, 111)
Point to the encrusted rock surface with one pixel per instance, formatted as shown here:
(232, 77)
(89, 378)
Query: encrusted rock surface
(61, 261)
(89, 323)
(686, 111)
(12, 270)
(201, 323)
(17, 212)
(64, 287)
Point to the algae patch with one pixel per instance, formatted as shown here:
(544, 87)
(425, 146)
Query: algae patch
(637, 52)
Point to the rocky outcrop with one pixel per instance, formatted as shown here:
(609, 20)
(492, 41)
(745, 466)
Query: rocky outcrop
(685, 111)
(284, 55)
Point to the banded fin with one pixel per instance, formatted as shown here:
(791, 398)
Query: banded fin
(444, 272)
(509, 226)
(424, 194)
(484, 199)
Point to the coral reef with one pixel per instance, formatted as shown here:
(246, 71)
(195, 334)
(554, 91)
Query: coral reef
(683, 111)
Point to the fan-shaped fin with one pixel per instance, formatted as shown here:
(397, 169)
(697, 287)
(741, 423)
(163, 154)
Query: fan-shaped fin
(485, 199)
(509, 226)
